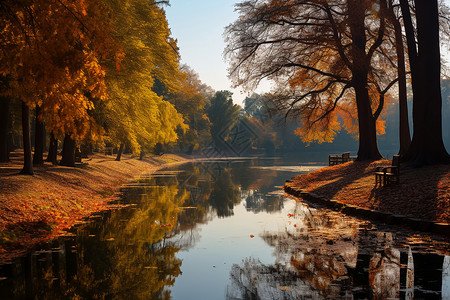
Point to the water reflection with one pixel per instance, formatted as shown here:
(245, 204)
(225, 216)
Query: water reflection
(217, 230)
(124, 256)
(253, 280)
(446, 278)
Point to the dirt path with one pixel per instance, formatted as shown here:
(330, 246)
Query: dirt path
(37, 208)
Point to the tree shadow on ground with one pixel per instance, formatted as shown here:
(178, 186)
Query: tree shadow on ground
(422, 192)
(340, 177)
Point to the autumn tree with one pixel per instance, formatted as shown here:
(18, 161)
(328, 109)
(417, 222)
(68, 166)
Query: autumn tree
(39, 140)
(326, 59)
(136, 116)
(427, 146)
(190, 99)
(4, 120)
(393, 17)
(51, 52)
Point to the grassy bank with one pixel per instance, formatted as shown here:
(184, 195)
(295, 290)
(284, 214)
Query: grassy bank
(422, 193)
(37, 208)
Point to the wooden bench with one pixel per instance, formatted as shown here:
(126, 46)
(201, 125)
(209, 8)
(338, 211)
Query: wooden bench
(336, 159)
(388, 174)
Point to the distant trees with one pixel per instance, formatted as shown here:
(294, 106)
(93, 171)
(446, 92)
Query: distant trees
(223, 115)
(190, 98)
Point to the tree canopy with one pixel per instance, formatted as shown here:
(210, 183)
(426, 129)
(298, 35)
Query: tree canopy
(332, 62)
(90, 67)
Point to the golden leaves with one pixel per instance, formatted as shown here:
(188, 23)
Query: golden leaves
(53, 59)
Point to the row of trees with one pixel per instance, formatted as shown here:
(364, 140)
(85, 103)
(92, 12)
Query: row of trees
(96, 71)
(334, 62)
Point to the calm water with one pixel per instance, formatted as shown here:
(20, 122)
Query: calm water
(224, 230)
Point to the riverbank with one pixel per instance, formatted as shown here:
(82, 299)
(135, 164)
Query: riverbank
(37, 208)
(422, 193)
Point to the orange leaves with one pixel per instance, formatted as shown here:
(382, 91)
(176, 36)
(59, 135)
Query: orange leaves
(317, 128)
(55, 63)
(299, 79)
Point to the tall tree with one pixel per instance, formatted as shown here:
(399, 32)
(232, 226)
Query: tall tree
(136, 116)
(27, 159)
(404, 130)
(4, 122)
(325, 58)
(52, 149)
(68, 151)
(39, 139)
(427, 146)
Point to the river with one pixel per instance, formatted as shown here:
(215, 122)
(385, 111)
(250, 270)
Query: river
(224, 230)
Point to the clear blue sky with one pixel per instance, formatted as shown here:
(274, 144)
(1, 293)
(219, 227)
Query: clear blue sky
(199, 25)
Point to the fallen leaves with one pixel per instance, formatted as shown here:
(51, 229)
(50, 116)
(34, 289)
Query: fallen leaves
(422, 193)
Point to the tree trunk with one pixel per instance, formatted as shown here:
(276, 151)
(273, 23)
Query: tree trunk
(68, 152)
(39, 140)
(368, 148)
(413, 58)
(27, 159)
(404, 134)
(142, 155)
(119, 153)
(427, 147)
(52, 149)
(4, 124)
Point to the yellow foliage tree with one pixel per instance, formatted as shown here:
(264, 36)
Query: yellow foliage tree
(136, 116)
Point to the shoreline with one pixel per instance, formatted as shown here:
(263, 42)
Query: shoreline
(421, 201)
(35, 209)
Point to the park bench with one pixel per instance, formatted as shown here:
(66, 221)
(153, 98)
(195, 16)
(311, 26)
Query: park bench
(336, 159)
(388, 174)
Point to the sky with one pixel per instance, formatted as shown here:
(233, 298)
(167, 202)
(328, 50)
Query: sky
(198, 25)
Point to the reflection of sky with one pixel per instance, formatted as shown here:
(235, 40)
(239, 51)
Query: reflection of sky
(446, 278)
(225, 242)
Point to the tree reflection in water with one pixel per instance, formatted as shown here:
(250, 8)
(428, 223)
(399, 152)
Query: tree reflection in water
(254, 280)
(129, 255)
(341, 260)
